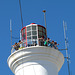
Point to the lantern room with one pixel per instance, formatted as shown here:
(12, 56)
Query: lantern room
(31, 33)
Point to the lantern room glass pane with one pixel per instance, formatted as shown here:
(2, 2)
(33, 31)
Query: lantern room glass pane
(29, 42)
(40, 28)
(34, 33)
(44, 34)
(34, 37)
(44, 30)
(40, 33)
(28, 33)
(29, 28)
(28, 37)
(33, 27)
(40, 36)
(24, 36)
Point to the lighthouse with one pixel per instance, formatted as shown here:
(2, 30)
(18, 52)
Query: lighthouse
(33, 58)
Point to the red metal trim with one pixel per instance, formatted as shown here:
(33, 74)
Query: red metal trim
(23, 28)
(26, 34)
(41, 26)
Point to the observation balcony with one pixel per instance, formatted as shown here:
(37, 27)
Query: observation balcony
(41, 60)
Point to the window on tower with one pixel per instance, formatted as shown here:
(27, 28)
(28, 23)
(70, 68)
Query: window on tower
(34, 33)
(29, 33)
(34, 37)
(40, 28)
(33, 27)
(29, 28)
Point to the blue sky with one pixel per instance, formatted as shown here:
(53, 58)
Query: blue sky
(56, 12)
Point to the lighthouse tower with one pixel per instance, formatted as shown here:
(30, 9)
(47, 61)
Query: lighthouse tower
(33, 58)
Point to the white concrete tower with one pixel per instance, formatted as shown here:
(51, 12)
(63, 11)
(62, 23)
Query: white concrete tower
(36, 60)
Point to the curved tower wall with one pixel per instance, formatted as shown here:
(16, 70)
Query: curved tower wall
(36, 60)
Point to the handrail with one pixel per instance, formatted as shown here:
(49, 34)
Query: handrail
(22, 45)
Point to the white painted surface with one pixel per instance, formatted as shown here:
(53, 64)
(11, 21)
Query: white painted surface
(37, 60)
(37, 68)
